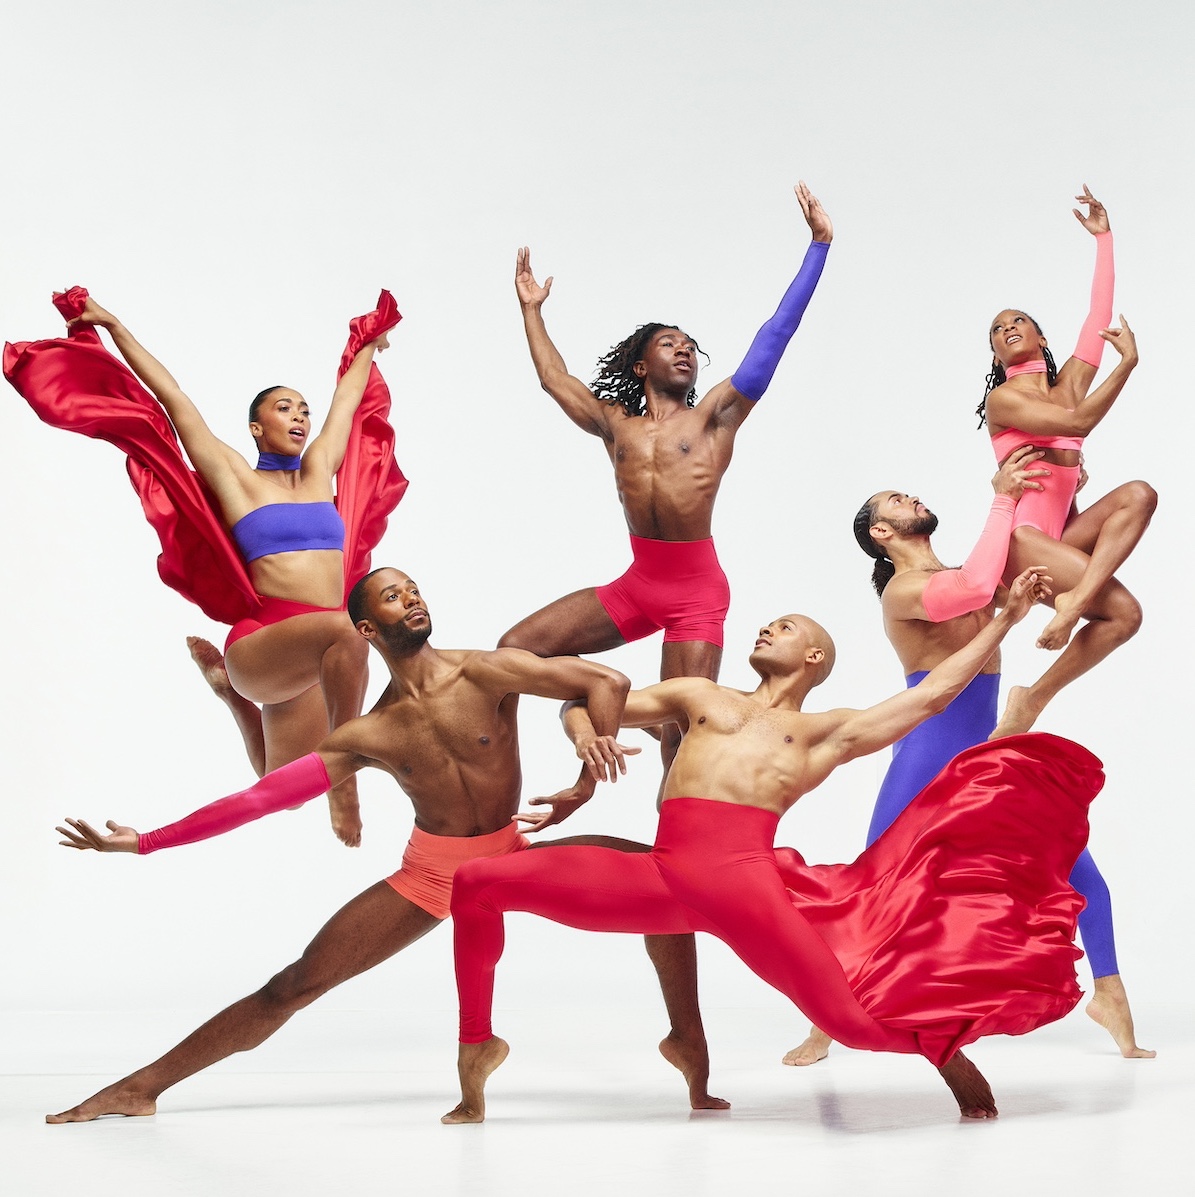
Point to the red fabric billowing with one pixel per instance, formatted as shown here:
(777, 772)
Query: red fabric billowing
(369, 483)
(74, 383)
(959, 921)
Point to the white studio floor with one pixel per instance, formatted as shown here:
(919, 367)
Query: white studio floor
(348, 1103)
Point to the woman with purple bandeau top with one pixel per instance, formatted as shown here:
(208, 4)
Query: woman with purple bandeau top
(1029, 401)
(296, 666)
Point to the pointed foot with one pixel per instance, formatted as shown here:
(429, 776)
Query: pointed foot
(691, 1059)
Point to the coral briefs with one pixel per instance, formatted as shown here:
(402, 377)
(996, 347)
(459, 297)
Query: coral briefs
(271, 611)
(430, 862)
(946, 929)
(676, 585)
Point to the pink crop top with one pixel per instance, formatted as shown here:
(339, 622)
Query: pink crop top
(1003, 443)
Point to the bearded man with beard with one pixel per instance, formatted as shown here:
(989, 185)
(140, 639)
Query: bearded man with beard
(931, 610)
(445, 729)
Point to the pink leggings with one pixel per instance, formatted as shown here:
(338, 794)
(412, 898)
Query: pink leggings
(712, 869)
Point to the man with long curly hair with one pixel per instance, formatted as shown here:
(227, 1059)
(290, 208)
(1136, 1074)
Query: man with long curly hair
(669, 452)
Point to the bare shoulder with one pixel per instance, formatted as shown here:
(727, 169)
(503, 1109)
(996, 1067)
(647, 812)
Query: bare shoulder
(901, 600)
(816, 727)
(364, 738)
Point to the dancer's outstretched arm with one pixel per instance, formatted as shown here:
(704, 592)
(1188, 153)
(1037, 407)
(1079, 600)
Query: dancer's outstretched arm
(216, 461)
(576, 400)
(731, 402)
(1008, 408)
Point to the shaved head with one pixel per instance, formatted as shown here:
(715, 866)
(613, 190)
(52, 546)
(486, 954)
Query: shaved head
(818, 638)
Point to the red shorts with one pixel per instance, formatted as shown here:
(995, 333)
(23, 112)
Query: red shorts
(271, 611)
(676, 585)
(431, 861)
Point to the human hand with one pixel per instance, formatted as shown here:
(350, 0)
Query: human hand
(530, 293)
(1014, 476)
(84, 836)
(1032, 586)
(1123, 341)
(562, 805)
(604, 756)
(1095, 219)
(92, 313)
(815, 215)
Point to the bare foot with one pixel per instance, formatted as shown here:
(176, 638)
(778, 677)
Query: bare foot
(116, 1099)
(816, 1047)
(1058, 631)
(1110, 1008)
(1020, 714)
(971, 1091)
(211, 664)
(693, 1061)
(474, 1063)
(346, 813)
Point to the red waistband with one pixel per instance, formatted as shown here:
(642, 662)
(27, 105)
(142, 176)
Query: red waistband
(270, 611)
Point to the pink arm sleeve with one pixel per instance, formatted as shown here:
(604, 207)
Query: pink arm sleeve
(953, 592)
(1090, 346)
(297, 782)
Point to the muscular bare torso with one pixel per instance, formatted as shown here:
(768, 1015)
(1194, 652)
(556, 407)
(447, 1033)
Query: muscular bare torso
(668, 469)
(736, 749)
(921, 644)
(452, 747)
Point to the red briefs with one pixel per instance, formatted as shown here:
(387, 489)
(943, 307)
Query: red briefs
(270, 611)
(957, 922)
(676, 585)
(431, 861)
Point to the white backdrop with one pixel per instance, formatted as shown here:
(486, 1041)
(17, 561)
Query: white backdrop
(237, 180)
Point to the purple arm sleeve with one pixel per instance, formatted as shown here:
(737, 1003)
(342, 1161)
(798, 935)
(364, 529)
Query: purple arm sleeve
(954, 592)
(1090, 346)
(297, 782)
(752, 377)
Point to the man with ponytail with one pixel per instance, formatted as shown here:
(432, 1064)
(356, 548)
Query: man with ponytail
(929, 611)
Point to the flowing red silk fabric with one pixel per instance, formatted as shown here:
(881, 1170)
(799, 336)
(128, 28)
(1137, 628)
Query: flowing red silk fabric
(959, 920)
(73, 382)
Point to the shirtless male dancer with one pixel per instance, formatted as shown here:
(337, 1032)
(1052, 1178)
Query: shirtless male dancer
(669, 453)
(751, 756)
(929, 612)
(445, 729)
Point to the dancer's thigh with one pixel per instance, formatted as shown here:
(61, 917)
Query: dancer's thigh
(295, 728)
(590, 888)
(279, 662)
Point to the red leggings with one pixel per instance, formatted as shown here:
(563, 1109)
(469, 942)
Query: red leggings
(957, 922)
(712, 869)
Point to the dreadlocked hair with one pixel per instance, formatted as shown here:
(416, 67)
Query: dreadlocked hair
(615, 380)
(997, 377)
(883, 570)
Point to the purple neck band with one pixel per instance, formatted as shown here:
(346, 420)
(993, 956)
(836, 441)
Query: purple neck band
(277, 461)
(1037, 366)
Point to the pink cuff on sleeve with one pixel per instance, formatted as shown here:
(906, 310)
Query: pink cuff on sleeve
(953, 592)
(298, 782)
(1090, 346)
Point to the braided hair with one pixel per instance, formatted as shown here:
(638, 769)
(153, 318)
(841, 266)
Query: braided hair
(883, 571)
(997, 377)
(615, 380)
